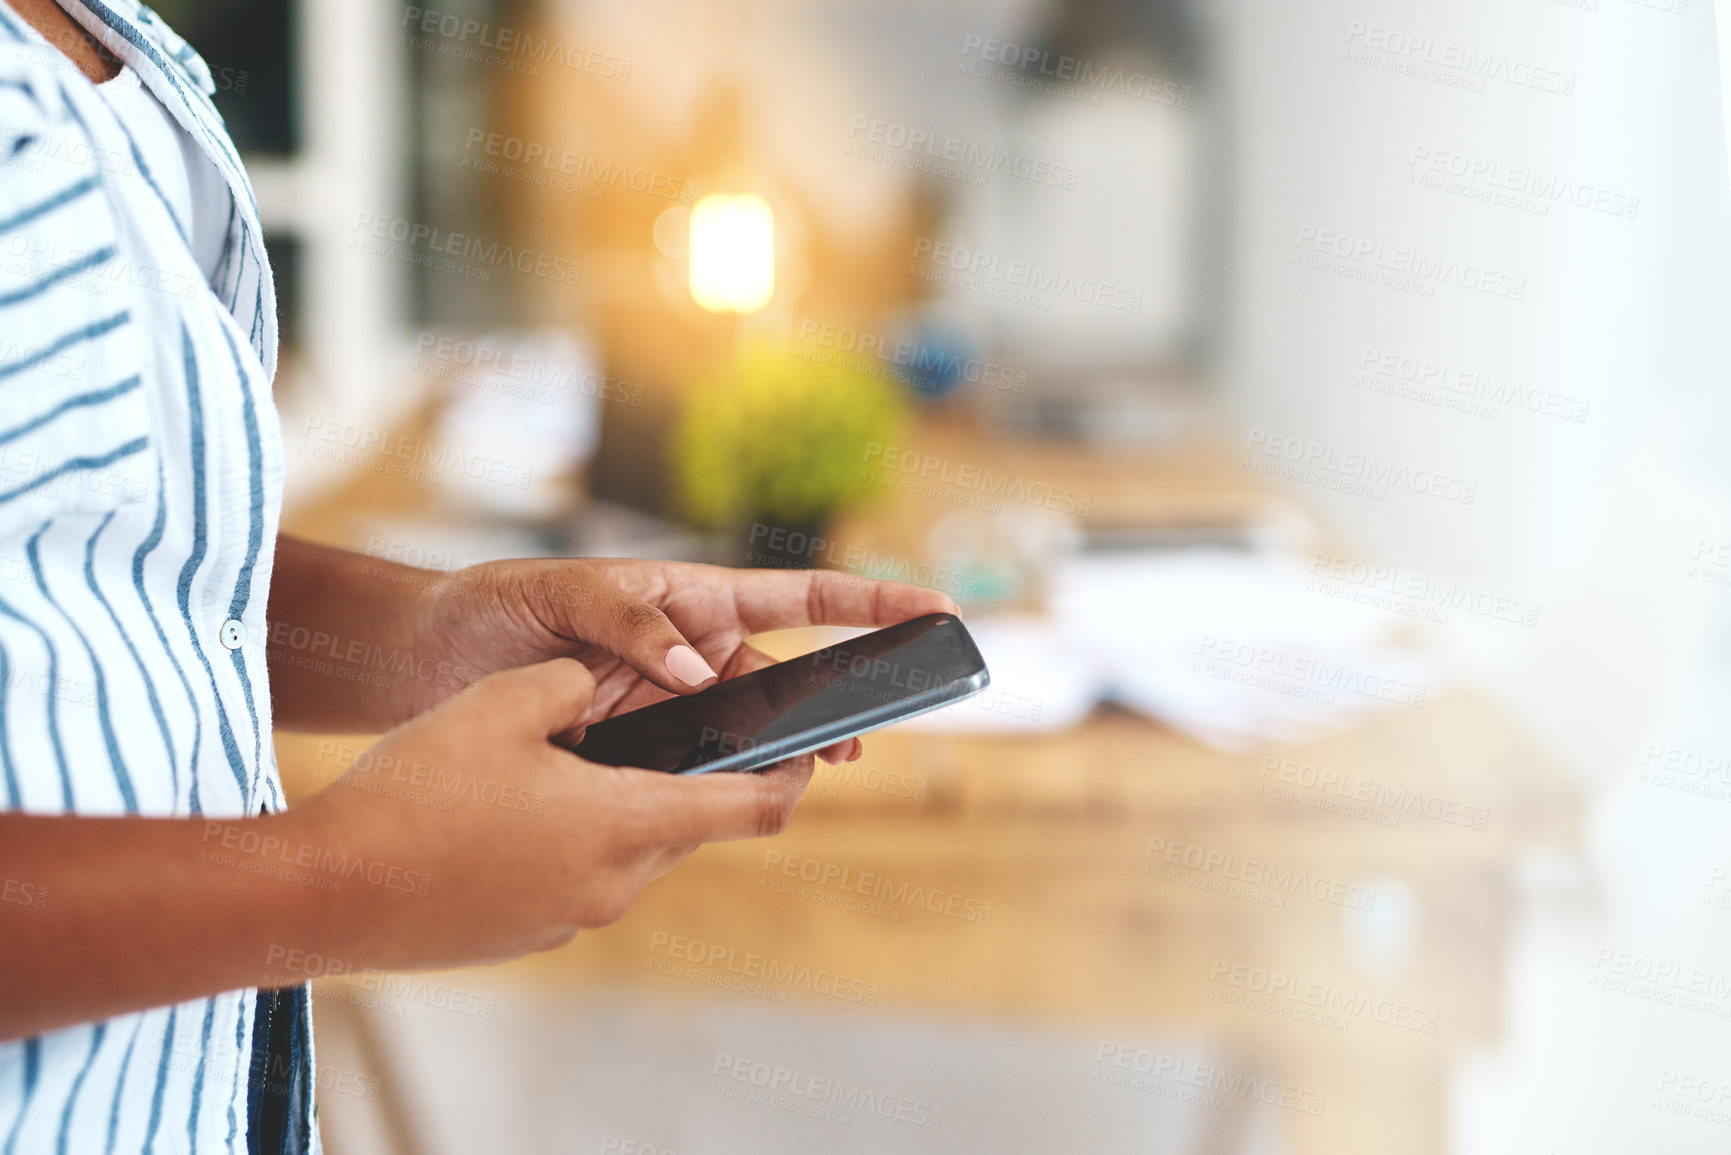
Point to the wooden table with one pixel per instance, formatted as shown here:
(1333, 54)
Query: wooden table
(1084, 932)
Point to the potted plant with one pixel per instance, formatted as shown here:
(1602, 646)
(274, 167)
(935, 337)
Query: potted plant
(773, 445)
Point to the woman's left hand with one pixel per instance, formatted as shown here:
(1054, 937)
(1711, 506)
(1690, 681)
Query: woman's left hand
(645, 629)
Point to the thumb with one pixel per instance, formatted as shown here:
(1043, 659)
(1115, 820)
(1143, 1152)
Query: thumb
(637, 634)
(551, 698)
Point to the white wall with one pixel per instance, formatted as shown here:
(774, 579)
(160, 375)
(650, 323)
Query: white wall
(1594, 521)
(1599, 522)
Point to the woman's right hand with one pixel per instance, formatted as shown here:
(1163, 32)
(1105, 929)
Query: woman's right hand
(488, 841)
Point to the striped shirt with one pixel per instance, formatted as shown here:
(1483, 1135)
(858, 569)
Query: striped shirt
(140, 483)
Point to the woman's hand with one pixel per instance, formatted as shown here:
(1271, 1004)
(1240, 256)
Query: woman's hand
(646, 630)
(511, 842)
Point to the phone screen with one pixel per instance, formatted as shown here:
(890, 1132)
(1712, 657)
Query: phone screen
(799, 705)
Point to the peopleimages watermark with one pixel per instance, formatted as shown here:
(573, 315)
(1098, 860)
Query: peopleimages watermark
(618, 1145)
(1712, 562)
(1448, 63)
(215, 1060)
(502, 46)
(383, 451)
(719, 965)
(1357, 796)
(1694, 1097)
(1521, 187)
(1185, 1080)
(52, 683)
(360, 768)
(416, 567)
(499, 367)
(1412, 594)
(878, 894)
(925, 150)
(826, 1099)
(361, 660)
(420, 557)
(40, 473)
(994, 700)
(1718, 893)
(867, 349)
(238, 844)
(55, 362)
(1399, 267)
(1669, 981)
(1687, 771)
(1349, 472)
(391, 991)
(21, 893)
(615, 1145)
(561, 170)
(1462, 389)
(1252, 879)
(95, 271)
(1299, 675)
(1016, 281)
(827, 781)
(932, 475)
(66, 152)
(843, 670)
(1321, 1004)
(464, 254)
(775, 547)
(275, 1074)
(1065, 77)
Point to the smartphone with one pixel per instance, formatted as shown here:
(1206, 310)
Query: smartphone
(798, 706)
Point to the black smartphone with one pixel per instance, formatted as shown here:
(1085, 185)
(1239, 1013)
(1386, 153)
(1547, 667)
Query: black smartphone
(798, 706)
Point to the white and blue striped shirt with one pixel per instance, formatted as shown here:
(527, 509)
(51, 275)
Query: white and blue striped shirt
(140, 483)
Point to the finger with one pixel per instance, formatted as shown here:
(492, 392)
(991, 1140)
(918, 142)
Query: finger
(551, 698)
(844, 751)
(777, 599)
(743, 660)
(629, 628)
(723, 807)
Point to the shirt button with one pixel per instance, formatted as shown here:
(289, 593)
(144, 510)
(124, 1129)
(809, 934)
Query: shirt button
(233, 634)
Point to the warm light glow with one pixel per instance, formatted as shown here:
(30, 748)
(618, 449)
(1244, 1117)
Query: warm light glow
(732, 253)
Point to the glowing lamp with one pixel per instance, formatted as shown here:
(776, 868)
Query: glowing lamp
(732, 253)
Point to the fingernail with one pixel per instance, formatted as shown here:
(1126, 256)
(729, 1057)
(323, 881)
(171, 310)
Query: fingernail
(687, 665)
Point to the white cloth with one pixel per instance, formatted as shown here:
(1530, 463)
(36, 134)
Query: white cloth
(189, 179)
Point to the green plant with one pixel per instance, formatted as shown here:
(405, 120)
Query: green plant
(774, 436)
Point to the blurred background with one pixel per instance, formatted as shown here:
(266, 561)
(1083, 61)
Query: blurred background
(1319, 411)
